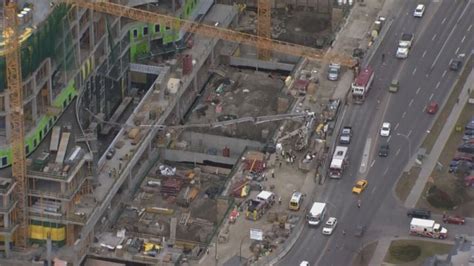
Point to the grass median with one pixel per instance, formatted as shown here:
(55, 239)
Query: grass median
(414, 252)
(408, 179)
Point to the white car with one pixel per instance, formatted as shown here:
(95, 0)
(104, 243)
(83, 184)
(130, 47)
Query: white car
(330, 226)
(385, 130)
(419, 11)
(304, 263)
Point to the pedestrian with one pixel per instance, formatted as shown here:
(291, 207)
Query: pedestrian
(110, 173)
(343, 232)
(280, 164)
(279, 200)
(383, 57)
(273, 173)
(358, 204)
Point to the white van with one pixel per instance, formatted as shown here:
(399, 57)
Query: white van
(316, 213)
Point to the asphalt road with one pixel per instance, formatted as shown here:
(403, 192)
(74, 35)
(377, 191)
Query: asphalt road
(444, 31)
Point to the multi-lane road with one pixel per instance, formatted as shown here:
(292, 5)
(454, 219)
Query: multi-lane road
(445, 31)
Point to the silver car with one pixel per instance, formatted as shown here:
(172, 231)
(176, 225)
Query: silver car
(333, 72)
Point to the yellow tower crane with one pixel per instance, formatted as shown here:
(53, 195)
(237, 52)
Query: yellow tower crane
(14, 80)
(17, 118)
(263, 43)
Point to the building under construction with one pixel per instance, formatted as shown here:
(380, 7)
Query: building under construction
(97, 90)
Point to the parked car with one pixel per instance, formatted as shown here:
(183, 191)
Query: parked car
(419, 213)
(467, 137)
(470, 125)
(110, 153)
(469, 132)
(456, 219)
(462, 158)
(333, 71)
(467, 148)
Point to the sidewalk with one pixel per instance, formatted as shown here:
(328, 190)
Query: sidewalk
(379, 254)
(430, 162)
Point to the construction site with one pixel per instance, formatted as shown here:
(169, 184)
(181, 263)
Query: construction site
(139, 131)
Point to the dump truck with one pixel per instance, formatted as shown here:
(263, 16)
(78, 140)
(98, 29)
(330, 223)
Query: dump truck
(404, 45)
(257, 207)
(427, 228)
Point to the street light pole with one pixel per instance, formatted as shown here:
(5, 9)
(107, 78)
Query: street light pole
(409, 143)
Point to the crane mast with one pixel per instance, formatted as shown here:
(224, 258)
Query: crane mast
(17, 138)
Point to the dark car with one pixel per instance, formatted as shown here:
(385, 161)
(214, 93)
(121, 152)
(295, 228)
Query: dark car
(466, 148)
(455, 64)
(360, 230)
(419, 213)
(469, 132)
(453, 219)
(384, 150)
(110, 153)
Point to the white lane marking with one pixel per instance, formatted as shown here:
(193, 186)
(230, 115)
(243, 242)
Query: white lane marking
(372, 164)
(444, 20)
(398, 151)
(409, 133)
(411, 102)
(444, 74)
(385, 172)
(434, 37)
(396, 126)
(365, 156)
(418, 90)
(457, 50)
(388, 139)
(469, 29)
(404, 114)
(447, 39)
(373, 190)
(431, 96)
(414, 70)
(423, 55)
(463, 38)
(437, 84)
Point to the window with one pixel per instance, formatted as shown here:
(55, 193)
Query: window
(157, 28)
(50, 123)
(4, 161)
(167, 28)
(145, 31)
(27, 149)
(135, 33)
(41, 134)
(35, 142)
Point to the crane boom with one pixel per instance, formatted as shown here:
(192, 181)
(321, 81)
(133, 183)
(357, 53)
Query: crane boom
(264, 43)
(12, 58)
